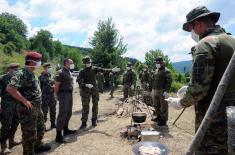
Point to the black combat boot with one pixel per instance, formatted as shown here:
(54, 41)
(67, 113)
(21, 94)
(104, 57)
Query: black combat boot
(67, 131)
(161, 122)
(93, 122)
(53, 125)
(4, 148)
(43, 148)
(13, 143)
(59, 137)
(83, 126)
(156, 119)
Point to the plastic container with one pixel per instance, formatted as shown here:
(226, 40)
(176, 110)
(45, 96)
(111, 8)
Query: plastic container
(150, 135)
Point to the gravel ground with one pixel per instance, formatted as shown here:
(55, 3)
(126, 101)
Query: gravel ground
(105, 138)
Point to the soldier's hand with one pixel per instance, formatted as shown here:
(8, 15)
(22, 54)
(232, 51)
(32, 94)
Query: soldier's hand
(89, 86)
(132, 87)
(174, 102)
(116, 69)
(28, 104)
(165, 94)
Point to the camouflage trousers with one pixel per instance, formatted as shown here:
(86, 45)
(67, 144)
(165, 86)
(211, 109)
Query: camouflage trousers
(9, 120)
(112, 88)
(86, 95)
(127, 91)
(65, 110)
(32, 127)
(215, 139)
(100, 86)
(145, 86)
(160, 105)
(49, 102)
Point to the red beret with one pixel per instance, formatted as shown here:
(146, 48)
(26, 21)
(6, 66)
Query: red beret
(33, 55)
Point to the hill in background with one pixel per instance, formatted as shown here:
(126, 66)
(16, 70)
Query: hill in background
(179, 66)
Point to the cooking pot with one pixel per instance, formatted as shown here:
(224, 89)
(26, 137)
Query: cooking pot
(139, 117)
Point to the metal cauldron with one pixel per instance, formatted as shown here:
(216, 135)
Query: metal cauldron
(139, 117)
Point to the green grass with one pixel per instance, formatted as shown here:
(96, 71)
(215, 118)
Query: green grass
(5, 59)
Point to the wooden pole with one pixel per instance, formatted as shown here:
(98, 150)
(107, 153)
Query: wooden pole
(214, 105)
(231, 129)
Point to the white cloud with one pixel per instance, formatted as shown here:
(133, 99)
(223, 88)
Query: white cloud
(145, 25)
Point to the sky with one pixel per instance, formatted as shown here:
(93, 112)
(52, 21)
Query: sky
(144, 24)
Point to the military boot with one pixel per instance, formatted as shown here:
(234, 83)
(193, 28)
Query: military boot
(53, 125)
(4, 148)
(13, 143)
(83, 126)
(161, 122)
(43, 148)
(59, 137)
(156, 119)
(67, 131)
(93, 122)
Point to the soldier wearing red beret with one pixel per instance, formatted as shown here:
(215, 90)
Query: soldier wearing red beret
(24, 86)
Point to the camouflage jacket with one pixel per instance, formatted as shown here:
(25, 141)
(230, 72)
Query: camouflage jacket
(47, 83)
(162, 80)
(210, 58)
(100, 77)
(129, 78)
(27, 83)
(87, 76)
(4, 81)
(112, 78)
(145, 77)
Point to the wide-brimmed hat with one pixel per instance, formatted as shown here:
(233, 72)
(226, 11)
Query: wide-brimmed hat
(197, 13)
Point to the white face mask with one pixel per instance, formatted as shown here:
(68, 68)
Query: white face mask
(145, 70)
(49, 70)
(128, 68)
(158, 66)
(88, 65)
(72, 66)
(195, 36)
(15, 71)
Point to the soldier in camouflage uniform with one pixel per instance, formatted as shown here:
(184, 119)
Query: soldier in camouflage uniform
(9, 118)
(129, 82)
(162, 81)
(145, 79)
(100, 80)
(24, 86)
(211, 56)
(48, 97)
(88, 89)
(112, 80)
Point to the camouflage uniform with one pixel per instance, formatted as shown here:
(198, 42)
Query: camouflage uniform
(48, 97)
(32, 122)
(145, 80)
(9, 118)
(112, 82)
(129, 79)
(210, 58)
(88, 76)
(162, 81)
(100, 81)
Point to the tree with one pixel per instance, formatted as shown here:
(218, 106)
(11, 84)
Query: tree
(13, 29)
(152, 55)
(107, 45)
(43, 39)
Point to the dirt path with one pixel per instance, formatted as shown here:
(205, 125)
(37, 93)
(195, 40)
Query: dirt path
(105, 138)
